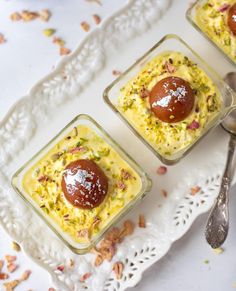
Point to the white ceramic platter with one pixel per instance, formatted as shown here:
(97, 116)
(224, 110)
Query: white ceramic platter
(76, 86)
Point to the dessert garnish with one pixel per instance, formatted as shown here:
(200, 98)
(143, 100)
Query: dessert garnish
(84, 184)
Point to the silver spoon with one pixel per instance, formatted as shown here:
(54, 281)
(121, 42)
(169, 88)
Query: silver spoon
(218, 222)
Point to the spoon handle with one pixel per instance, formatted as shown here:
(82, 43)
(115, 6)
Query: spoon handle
(218, 221)
(228, 173)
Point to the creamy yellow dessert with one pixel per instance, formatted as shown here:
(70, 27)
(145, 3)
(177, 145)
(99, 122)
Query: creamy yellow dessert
(134, 103)
(43, 182)
(212, 17)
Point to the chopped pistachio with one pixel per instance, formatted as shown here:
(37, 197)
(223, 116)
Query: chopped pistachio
(218, 250)
(104, 152)
(49, 32)
(81, 142)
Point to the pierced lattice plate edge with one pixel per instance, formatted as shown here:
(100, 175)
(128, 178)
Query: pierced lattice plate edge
(209, 190)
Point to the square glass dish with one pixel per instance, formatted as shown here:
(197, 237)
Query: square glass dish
(40, 183)
(129, 97)
(210, 18)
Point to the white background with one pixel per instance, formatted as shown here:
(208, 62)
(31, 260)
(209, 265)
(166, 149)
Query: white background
(28, 56)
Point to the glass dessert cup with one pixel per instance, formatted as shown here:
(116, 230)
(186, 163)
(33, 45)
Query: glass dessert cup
(191, 17)
(171, 43)
(95, 133)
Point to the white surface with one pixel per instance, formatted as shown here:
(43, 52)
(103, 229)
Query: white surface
(39, 279)
(185, 268)
(28, 55)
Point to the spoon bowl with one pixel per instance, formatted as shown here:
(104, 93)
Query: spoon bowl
(229, 123)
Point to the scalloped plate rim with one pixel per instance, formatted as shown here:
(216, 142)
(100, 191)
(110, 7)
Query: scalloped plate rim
(58, 66)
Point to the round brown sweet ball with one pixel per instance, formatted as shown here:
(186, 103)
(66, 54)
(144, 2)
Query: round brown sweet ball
(171, 99)
(84, 184)
(232, 19)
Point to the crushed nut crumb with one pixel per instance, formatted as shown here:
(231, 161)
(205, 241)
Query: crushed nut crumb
(128, 228)
(2, 38)
(85, 277)
(121, 185)
(71, 263)
(58, 41)
(125, 174)
(45, 15)
(56, 156)
(25, 275)
(61, 268)
(107, 247)
(1, 265)
(64, 51)
(96, 221)
(15, 16)
(194, 190)
(118, 268)
(170, 68)
(10, 258)
(43, 179)
(76, 150)
(15, 246)
(144, 93)
(164, 193)
(85, 26)
(4, 276)
(95, 1)
(27, 15)
(116, 73)
(113, 235)
(11, 285)
(84, 233)
(97, 18)
(11, 267)
(141, 221)
(162, 170)
(99, 260)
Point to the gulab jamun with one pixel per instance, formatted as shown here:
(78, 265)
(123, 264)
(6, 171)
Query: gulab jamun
(84, 184)
(232, 19)
(171, 99)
